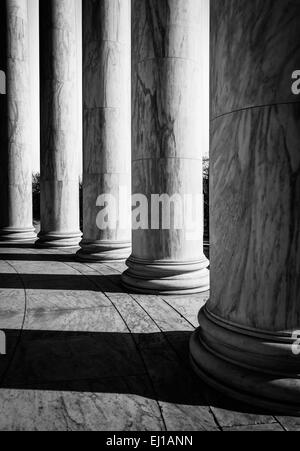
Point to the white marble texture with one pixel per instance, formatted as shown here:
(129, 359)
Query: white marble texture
(170, 132)
(244, 344)
(276, 54)
(59, 128)
(15, 126)
(255, 220)
(106, 118)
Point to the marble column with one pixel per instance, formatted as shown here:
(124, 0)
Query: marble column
(60, 144)
(170, 133)
(247, 343)
(107, 140)
(15, 126)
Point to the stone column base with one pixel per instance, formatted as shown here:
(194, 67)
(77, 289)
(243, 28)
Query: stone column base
(104, 251)
(10, 235)
(258, 368)
(166, 277)
(58, 240)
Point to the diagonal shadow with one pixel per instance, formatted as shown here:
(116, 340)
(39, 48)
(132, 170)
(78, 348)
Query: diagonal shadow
(4, 245)
(98, 362)
(118, 363)
(139, 364)
(64, 258)
(66, 282)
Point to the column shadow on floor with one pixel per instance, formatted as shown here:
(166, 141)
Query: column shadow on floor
(64, 258)
(91, 362)
(4, 245)
(96, 362)
(64, 282)
(103, 363)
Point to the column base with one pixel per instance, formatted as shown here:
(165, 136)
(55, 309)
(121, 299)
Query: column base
(58, 240)
(10, 235)
(103, 251)
(166, 277)
(256, 367)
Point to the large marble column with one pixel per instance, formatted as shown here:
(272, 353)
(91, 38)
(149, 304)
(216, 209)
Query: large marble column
(60, 144)
(107, 141)
(170, 41)
(15, 126)
(247, 342)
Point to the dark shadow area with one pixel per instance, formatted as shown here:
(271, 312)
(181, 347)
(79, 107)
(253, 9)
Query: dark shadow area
(59, 257)
(220, 401)
(12, 340)
(206, 250)
(138, 364)
(64, 258)
(15, 246)
(36, 198)
(71, 282)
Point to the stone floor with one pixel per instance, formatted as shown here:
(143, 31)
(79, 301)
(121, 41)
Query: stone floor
(84, 355)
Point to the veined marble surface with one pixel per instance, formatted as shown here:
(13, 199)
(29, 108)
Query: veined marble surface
(173, 176)
(59, 128)
(170, 132)
(107, 118)
(255, 219)
(15, 125)
(244, 346)
(255, 55)
(170, 29)
(255, 162)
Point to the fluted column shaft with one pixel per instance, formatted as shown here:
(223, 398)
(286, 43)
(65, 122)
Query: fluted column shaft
(107, 141)
(170, 132)
(247, 341)
(15, 125)
(59, 125)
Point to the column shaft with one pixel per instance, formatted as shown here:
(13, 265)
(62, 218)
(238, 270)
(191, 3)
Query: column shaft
(15, 126)
(59, 125)
(107, 141)
(247, 341)
(170, 134)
